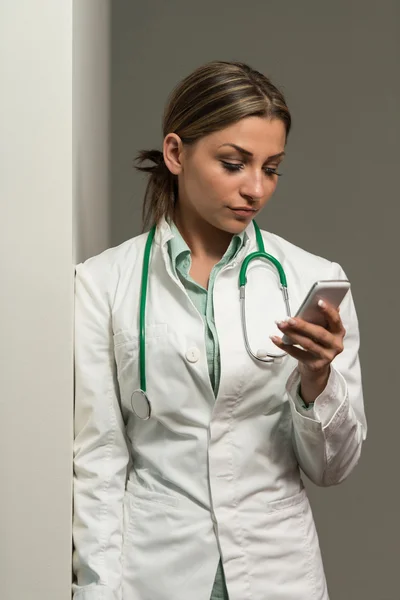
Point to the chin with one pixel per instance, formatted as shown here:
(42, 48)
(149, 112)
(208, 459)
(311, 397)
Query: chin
(235, 226)
(232, 226)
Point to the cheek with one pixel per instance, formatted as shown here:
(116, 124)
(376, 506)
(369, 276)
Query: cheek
(213, 187)
(223, 185)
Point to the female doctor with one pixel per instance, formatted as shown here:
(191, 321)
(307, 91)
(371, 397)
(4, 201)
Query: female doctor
(190, 438)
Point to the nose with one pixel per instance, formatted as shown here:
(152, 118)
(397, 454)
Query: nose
(253, 188)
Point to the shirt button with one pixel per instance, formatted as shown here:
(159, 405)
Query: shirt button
(193, 354)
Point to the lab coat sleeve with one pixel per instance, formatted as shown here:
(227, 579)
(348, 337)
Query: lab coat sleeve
(100, 449)
(327, 439)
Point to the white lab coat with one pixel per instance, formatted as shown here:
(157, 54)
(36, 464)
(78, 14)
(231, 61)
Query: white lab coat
(205, 477)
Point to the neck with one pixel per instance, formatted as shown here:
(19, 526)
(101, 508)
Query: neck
(205, 241)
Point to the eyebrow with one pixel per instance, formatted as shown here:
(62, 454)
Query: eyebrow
(248, 153)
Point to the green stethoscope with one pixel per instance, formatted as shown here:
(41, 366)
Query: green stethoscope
(140, 402)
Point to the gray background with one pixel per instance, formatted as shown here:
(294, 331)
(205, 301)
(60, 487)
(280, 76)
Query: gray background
(338, 63)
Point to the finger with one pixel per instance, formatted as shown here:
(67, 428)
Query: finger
(296, 326)
(299, 354)
(309, 344)
(313, 338)
(332, 316)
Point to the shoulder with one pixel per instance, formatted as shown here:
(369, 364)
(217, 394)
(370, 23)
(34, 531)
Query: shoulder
(115, 257)
(299, 260)
(104, 270)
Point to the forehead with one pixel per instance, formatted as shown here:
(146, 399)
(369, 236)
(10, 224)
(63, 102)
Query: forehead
(258, 135)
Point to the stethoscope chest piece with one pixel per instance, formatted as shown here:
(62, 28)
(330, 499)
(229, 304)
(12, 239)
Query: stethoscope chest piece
(141, 405)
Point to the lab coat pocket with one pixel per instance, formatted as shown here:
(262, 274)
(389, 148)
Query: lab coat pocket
(140, 494)
(140, 501)
(152, 530)
(126, 353)
(290, 502)
(131, 336)
(286, 551)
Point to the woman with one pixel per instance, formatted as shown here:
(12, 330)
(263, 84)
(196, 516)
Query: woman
(204, 498)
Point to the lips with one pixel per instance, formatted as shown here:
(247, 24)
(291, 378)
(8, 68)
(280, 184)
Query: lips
(243, 211)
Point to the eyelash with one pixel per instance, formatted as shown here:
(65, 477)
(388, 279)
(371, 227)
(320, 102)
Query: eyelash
(233, 167)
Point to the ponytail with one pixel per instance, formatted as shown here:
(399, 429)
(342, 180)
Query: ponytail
(160, 194)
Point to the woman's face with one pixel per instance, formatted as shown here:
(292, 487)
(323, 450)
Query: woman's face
(227, 177)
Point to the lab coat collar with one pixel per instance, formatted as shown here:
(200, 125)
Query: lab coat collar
(163, 233)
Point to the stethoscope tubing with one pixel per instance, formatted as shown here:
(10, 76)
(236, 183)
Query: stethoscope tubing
(140, 402)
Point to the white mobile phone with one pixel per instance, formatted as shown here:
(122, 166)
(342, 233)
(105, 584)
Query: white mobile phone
(332, 290)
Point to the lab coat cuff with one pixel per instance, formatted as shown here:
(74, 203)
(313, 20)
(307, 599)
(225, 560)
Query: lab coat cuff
(94, 592)
(301, 407)
(326, 405)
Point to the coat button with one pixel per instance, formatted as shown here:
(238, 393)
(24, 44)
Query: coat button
(193, 354)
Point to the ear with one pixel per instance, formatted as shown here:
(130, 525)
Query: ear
(173, 153)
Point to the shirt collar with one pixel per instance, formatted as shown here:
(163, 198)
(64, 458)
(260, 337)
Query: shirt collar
(177, 245)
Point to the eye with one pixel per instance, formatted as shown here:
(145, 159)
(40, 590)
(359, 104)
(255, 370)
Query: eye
(231, 166)
(270, 171)
(234, 167)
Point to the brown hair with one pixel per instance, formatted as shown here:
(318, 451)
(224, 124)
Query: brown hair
(214, 96)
